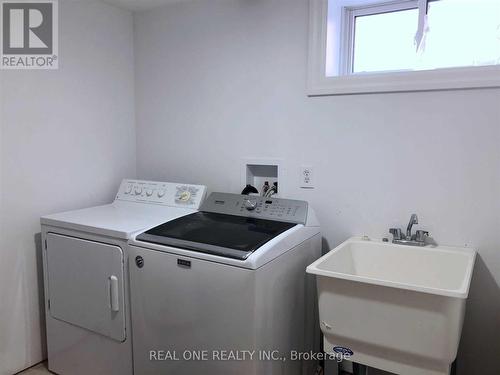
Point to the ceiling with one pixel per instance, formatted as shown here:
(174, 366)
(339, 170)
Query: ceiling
(137, 5)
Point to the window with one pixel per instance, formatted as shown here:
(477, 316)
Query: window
(404, 45)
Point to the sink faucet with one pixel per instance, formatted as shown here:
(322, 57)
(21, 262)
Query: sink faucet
(413, 220)
(418, 239)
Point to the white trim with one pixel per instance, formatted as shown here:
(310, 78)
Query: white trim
(318, 17)
(346, 57)
(439, 79)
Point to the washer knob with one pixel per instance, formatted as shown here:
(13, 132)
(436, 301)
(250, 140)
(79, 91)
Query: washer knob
(250, 204)
(138, 191)
(161, 193)
(149, 192)
(128, 190)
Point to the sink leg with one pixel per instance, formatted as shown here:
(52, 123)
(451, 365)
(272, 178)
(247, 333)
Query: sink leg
(359, 369)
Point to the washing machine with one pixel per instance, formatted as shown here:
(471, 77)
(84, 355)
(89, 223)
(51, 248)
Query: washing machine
(224, 290)
(85, 263)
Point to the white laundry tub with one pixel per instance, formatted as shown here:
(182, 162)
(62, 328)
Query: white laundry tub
(397, 308)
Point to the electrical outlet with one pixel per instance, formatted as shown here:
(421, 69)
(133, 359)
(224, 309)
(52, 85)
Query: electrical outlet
(307, 177)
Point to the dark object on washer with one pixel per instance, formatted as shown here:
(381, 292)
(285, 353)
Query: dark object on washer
(249, 189)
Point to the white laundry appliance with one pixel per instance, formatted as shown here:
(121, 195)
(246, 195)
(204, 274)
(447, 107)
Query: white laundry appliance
(224, 291)
(86, 274)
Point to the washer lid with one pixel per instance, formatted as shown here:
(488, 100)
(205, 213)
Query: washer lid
(214, 233)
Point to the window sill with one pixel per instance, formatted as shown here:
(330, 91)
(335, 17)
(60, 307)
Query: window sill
(428, 80)
(425, 80)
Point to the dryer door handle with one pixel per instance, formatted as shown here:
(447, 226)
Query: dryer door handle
(113, 293)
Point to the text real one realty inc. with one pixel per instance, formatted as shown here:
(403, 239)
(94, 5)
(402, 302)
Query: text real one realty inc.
(236, 355)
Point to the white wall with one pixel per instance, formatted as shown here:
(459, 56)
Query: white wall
(220, 80)
(68, 140)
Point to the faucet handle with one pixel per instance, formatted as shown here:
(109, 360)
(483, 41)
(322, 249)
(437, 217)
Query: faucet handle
(421, 235)
(396, 233)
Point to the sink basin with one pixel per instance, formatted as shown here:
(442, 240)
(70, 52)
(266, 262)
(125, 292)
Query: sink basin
(395, 307)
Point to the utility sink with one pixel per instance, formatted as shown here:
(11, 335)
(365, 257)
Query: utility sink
(394, 307)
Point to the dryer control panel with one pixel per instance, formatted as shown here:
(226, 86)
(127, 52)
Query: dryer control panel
(163, 193)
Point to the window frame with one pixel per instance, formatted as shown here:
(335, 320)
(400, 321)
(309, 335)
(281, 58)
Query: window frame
(401, 81)
(348, 24)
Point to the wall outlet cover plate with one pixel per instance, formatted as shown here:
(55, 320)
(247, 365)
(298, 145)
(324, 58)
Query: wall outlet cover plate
(307, 177)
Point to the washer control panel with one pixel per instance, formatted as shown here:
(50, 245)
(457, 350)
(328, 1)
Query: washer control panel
(287, 210)
(164, 193)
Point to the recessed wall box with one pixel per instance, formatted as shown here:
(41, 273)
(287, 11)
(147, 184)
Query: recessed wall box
(257, 172)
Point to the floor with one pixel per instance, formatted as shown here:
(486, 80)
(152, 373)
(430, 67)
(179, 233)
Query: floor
(40, 369)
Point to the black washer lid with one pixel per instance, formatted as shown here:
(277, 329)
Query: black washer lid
(214, 233)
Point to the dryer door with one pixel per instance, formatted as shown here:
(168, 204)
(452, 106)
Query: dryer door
(86, 285)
